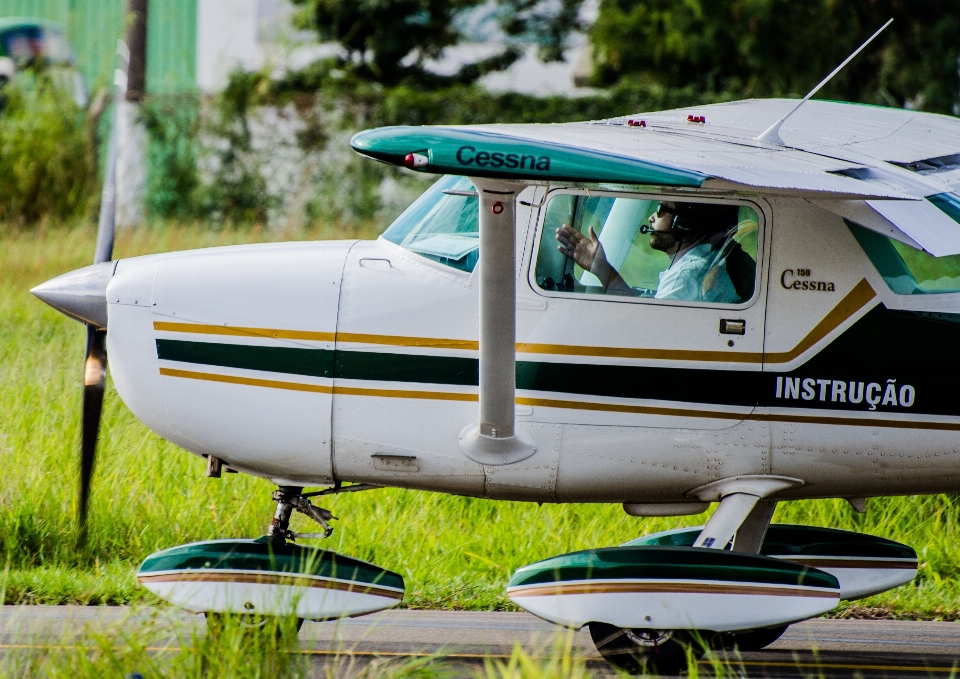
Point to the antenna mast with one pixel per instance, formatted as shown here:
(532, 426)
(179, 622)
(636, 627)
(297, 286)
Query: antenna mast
(771, 134)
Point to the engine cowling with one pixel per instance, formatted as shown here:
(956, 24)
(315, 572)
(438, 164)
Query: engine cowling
(195, 338)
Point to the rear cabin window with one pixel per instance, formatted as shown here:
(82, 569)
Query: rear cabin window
(442, 224)
(709, 255)
(906, 270)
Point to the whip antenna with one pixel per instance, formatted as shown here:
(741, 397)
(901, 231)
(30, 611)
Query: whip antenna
(771, 134)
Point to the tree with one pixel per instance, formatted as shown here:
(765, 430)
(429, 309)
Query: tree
(548, 24)
(752, 48)
(388, 41)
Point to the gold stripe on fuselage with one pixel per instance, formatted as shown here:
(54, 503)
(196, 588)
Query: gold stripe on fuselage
(861, 294)
(249, 381)
(319, 388)
(356, 338)
(237, 331)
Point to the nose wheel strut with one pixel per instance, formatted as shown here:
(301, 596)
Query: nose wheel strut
(290, 499)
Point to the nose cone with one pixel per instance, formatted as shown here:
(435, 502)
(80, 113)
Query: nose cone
(80, 294)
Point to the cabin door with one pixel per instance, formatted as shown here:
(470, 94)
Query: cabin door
(660, 365)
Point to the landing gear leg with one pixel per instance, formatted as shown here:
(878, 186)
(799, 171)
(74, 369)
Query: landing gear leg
(748, 539)
(288, 499)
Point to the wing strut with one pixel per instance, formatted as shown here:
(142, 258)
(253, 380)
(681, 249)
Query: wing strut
(772, 133)
(495, 438)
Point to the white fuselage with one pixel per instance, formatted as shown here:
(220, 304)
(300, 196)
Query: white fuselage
(356, 361)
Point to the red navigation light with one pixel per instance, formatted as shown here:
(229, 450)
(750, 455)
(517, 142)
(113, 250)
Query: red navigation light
(415, 160)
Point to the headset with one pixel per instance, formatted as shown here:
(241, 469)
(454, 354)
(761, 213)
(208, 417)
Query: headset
(679, 227)
(686, 215)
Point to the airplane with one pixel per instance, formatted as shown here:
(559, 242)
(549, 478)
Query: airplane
(467, 351)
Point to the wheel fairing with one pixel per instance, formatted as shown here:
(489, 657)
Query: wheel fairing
(672, 588)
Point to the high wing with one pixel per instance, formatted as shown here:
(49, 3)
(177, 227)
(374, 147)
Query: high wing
(891, 170)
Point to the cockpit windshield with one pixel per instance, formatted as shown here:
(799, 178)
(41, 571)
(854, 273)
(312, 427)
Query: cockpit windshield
(442, 224)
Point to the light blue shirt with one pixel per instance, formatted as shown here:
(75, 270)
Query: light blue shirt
(685, 278)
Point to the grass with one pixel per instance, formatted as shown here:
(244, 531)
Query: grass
(455, 553)
(161, 646)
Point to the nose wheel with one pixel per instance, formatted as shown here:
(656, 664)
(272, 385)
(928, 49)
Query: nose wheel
(646, 651)
(249, 623)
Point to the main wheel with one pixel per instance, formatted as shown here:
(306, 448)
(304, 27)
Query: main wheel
(250, 622)
(645, 650)
(752, 640)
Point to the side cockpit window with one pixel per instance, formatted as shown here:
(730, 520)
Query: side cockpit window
(442, 224)
(906, 270)
(614, 245)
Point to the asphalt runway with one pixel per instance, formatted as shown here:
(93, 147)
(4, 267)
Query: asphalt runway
(815, 648)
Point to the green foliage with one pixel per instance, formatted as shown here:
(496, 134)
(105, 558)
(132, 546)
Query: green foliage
(47, 158)
(206, 163)
(759, 48)
(360, 104)
(201, 163)
(388, 41)
(173, 178)
(546, 24)
(237, 189)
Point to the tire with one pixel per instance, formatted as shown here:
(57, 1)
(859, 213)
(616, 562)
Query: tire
(751, 640)
(252, 624)
(638, 651)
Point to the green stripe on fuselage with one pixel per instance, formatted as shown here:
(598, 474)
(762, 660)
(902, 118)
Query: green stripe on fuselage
(287, 360)
(369, 365)
(350, 365)
(617, 381)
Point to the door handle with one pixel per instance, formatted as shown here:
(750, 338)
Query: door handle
(733, 326)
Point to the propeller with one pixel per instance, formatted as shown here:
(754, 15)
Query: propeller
(95, 359)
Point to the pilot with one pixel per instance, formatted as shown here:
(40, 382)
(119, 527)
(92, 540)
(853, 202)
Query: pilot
(697, 237)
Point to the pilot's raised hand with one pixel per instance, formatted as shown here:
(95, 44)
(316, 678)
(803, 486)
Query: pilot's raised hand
(586, 251)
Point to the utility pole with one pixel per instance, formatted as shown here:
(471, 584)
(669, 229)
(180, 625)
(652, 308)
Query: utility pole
(137, 42)
(131, 161)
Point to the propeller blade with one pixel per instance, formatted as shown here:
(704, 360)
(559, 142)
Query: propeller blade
(95, 361)
(108, 198)
(94, 384)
